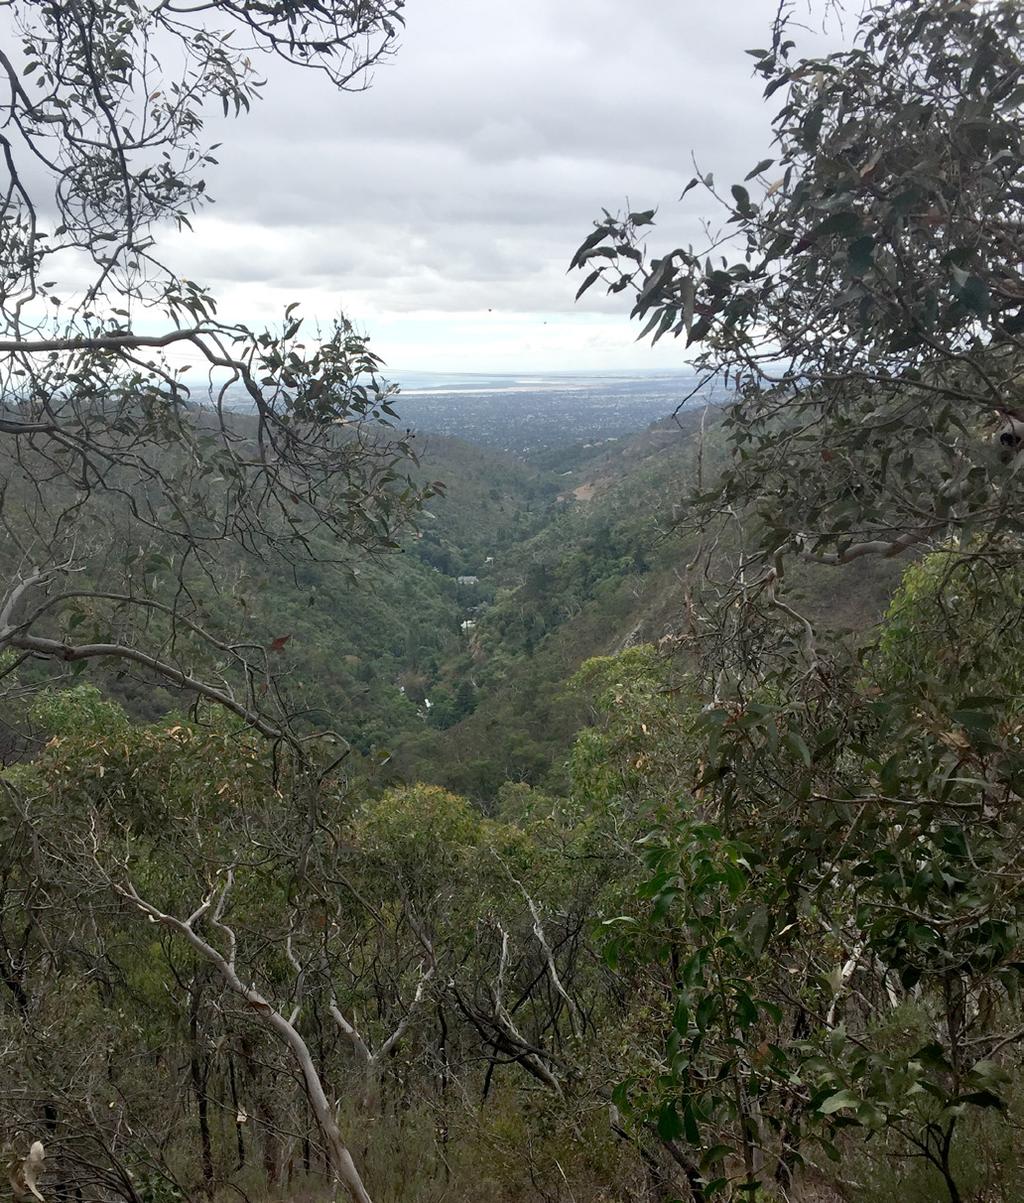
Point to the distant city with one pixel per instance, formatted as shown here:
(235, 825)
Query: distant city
(527, 414)
(524, 415)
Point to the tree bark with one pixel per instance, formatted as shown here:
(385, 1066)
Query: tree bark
(343, 1168)
(199, 1072)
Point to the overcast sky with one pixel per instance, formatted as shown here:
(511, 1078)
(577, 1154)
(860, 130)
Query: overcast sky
(439, 210)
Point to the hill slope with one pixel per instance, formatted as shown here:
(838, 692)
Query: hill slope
(603, 572)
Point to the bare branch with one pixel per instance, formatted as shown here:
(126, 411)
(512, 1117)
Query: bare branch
(341, 1159)
(58, 650)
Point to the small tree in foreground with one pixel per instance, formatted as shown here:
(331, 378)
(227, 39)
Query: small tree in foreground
(204, 972)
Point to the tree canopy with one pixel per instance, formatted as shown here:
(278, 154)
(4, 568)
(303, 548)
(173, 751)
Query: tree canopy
(675, 890)
(861, 292)
(288, 454)
(837, 886)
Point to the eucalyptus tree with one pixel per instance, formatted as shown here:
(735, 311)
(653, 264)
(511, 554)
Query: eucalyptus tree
(209, 971)
(129, 500)
(126, 494)
(835, 894)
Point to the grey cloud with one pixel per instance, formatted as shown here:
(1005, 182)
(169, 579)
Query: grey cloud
(468, 174)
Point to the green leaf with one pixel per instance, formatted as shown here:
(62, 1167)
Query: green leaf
(588, 243)
(889, 776)
(715, 1154)
(796, 745)
(974, 720)
(975, 297)
(984, 1098)
(837, 1101)
(687, 291)
(707, 1008)
(670, 1124)
(762, 166)
(846, 223)
(934, 1056)
(735, 880)
(860, 255)
(871, 1116)
(594, 276)
(746, 1012)
(989, 1071)
(910, 975)
(980, 701)
(690, 1129)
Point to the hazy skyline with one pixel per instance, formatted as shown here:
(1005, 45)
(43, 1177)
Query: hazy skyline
(439, 209)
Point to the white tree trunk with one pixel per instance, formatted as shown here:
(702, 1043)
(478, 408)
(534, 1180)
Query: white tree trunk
(342, 1165)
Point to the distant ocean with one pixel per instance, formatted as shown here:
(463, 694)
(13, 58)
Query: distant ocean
(426, 383)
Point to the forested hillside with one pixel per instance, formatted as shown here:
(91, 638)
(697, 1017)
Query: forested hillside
(585, 817)
(602, 572)
(356, 642)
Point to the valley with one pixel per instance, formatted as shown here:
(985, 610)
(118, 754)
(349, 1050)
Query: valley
(528, 565)
(446, 756)
(447, 659)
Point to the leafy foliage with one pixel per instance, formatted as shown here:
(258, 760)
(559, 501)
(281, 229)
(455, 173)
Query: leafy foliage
(867, 308)
(98, 429)
(834, 893)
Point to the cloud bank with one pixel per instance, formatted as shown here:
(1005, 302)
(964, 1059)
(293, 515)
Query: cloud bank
(439, 209)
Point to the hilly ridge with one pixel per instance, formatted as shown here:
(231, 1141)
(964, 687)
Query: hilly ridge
(448, 661)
